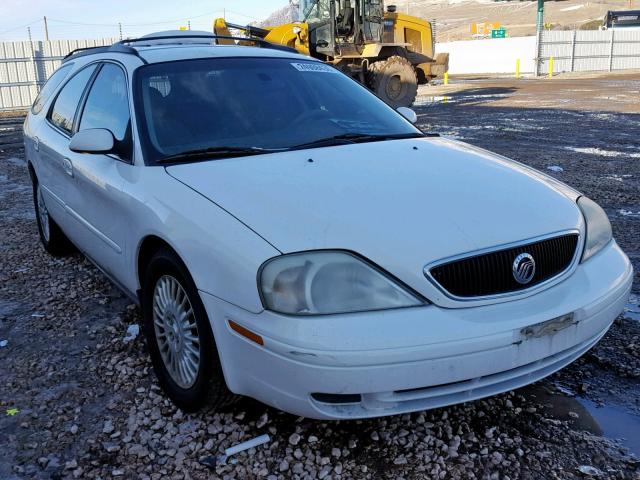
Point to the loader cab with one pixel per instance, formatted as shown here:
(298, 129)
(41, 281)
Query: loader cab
(340, 26)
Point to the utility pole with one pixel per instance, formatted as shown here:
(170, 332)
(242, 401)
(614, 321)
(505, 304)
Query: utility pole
(33, 61)
(120, 29)
(188, 24)
(46, 29)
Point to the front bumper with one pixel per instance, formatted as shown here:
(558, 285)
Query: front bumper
(405, 360)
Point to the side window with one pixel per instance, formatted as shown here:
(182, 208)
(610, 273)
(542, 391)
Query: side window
(65, 105)
(54, 80)
(107, 104)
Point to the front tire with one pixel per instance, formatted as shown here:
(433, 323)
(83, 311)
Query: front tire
(179, 338)
(394, 80)
(54, 241)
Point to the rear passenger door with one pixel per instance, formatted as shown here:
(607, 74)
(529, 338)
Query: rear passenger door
(98, 203)
(53, 147)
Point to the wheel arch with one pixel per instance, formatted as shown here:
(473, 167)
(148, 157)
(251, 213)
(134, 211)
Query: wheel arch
(390, 51)
(216, 392)
(32, 172)
(148, 246)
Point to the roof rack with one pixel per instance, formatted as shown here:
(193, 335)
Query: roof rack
(116, 47)
(123, 46)
(259, 41)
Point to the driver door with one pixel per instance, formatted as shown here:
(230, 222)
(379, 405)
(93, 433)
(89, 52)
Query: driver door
(98, 203)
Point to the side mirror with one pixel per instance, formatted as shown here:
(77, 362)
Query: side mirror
(408, 114)
(92, 140)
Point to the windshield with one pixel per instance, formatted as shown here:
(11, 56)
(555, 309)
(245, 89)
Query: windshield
(314, 10)
(253, 103)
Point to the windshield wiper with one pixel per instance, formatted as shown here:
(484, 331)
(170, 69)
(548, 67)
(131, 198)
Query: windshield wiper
(217, 152)
(355, 138)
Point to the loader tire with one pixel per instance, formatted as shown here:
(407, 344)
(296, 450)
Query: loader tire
(394, 80)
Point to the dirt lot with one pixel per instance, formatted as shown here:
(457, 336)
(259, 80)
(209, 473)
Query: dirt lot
(77, 401)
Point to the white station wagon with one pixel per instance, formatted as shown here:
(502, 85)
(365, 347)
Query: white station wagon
(292, 238)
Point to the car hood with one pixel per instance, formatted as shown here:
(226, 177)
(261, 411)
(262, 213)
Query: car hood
(402, 204)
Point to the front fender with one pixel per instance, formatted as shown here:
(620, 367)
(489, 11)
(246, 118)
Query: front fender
(221, 254)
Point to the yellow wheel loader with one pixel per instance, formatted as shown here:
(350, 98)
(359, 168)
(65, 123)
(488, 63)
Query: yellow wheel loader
(388, 51)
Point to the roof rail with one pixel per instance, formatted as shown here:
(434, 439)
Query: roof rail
(123, 46)
(259, 41)
(116, 47)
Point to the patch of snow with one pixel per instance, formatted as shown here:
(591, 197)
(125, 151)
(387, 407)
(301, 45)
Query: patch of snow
(423, 100)
(632, 308)
(628, 213)
(17, 161)
(555, 168)
(601, 116)
(617, 178)
(567, 391)
(132, 332)
(601, 152)
(589, 470)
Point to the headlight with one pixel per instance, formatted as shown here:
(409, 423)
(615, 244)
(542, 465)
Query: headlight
(597, 226)
(326, 282)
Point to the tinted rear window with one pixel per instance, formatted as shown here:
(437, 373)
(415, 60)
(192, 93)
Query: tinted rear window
(49, 87)
(66, 104)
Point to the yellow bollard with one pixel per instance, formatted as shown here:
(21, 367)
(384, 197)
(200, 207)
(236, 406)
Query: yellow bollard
(446, 78)
(517, 68)
(550, 67)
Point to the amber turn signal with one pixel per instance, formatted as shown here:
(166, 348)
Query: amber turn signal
(254, 337)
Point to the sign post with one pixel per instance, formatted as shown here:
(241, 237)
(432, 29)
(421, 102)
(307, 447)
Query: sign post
(539, 27)
(540, 18)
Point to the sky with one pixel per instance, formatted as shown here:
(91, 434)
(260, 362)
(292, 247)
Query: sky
(72, 19)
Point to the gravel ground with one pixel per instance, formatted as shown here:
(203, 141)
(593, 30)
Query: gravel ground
(77, 401)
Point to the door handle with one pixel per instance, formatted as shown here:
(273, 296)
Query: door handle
(67, 166)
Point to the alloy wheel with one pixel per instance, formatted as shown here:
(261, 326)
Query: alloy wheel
(43, 214)
(176, 331)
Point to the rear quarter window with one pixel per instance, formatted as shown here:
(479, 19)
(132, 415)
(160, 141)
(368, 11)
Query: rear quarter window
(66, 103)
(49, 87)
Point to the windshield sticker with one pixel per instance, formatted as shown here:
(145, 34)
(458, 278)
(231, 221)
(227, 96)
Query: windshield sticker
(314, 67)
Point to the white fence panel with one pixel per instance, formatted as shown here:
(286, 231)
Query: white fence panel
(589, 50)
(626, 50)
(25, 67)
(559, 45)
(572, 51)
